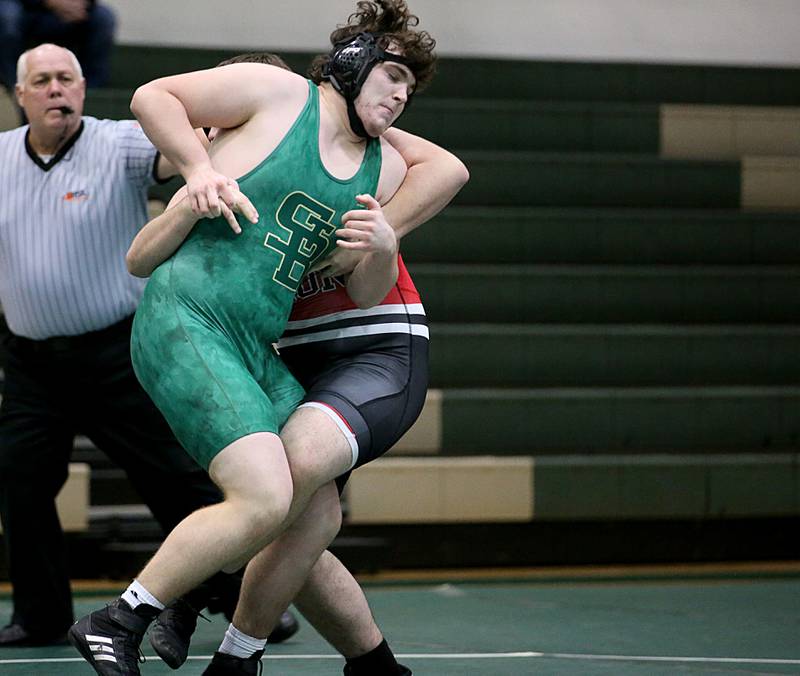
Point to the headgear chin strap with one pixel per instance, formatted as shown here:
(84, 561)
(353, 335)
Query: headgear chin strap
(349, 66)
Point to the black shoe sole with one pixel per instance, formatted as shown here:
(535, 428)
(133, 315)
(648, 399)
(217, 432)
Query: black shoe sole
(164, 651)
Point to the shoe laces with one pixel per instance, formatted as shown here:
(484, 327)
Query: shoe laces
(185, 605)
(140, 657)
(260, 664)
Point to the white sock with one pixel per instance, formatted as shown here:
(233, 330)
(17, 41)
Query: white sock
(136, 594)
(239, 644)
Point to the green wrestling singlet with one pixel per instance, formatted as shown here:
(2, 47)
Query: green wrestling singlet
(202, 336)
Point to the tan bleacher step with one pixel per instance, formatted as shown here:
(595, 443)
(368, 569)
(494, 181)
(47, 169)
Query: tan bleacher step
(728, 132)
(72, 501)
(9, 116)
(442, 490)
(771, 183)
(425, 435)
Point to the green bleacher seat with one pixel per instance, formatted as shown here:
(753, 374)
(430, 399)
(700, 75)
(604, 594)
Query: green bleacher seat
(667, 486)
(531, 355)
(589, 236)
(597, 180)
(593, 293)
(541, 421)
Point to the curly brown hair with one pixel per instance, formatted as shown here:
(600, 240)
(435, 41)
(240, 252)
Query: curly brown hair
(393, 22)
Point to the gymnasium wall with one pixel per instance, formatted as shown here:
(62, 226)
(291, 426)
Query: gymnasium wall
(744, 32)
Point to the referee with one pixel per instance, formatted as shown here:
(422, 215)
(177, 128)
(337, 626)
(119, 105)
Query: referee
(73, 197)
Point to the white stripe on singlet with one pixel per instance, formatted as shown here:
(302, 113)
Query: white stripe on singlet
(64, 231)
(334, 415)
(388, 309)
(355, 332)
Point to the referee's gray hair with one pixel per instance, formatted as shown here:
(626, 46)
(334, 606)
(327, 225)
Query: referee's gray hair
(22, 61)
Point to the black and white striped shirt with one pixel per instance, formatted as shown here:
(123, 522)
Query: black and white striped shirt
(66, 224)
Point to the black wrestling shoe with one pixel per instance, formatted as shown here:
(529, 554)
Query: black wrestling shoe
(402, 670)
(16, 636)
(228, 665)
(109, 638)
(287, 627)
(221, 596)
(172, 631)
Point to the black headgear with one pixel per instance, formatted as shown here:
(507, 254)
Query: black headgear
(348, 67)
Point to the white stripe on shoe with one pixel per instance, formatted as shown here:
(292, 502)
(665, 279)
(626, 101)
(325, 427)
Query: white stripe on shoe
(102, 649)
(101, 639)
(100, 646)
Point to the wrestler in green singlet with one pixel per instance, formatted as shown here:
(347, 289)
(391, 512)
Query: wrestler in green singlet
(202, 335)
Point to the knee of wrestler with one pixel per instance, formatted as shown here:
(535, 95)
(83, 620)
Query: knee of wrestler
(265, 507)
(332, 522)
(325, 513)
(309, 466)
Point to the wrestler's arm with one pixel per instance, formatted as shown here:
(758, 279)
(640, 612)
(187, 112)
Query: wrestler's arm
(170, 108)
(434, 176)
(162, 235)
(367, 232)
(373, 238)
(165, 169)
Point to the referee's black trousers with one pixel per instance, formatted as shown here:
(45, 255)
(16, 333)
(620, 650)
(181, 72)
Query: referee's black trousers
(55, 389)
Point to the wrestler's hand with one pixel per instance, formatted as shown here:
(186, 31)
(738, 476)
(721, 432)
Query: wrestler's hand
(366, 230)
(239, 204)
(338, 262)
(207, 189)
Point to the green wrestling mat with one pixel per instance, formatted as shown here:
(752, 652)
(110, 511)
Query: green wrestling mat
(647, 627)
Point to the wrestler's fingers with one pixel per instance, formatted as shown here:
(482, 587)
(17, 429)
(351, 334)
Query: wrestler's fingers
(368, 201)
(245, 207)
(227, 212)
(353, 245)
(213, 201)
(198, 204)
(228, 190)
(357, 215)
(353, 234)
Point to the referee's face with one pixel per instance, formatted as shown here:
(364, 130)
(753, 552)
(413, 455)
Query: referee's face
(52, 92)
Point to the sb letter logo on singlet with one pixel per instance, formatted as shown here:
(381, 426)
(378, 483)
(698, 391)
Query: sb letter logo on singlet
(305, 235)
